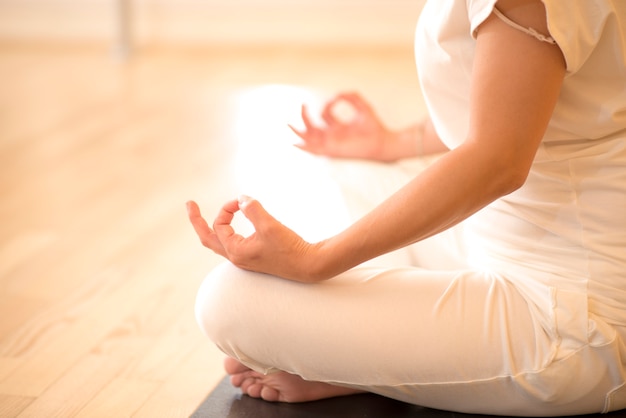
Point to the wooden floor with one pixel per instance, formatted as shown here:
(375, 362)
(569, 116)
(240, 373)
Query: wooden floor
(98, 266)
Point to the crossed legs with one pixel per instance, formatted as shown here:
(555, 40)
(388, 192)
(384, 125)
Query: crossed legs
(410, 334)
(280, 386)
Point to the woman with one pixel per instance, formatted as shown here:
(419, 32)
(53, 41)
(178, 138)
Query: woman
(517, 302)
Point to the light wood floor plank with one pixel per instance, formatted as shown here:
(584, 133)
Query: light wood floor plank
(121, 398)
(105, 318)
(81, 383)
(184, 387)
(11, 406)
(98, 265)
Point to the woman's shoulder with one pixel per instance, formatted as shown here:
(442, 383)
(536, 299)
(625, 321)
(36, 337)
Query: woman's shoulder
(580, 27)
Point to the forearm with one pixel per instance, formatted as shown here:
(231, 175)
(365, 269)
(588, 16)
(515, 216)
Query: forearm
(494, 160)
(461, 182)
(415, 141)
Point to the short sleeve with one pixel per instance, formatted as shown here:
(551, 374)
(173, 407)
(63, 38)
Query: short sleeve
(577, 26)
(477, 12)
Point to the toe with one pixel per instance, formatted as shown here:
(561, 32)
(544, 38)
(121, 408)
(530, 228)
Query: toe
(247, 383)
(233, 366)
(254, 390)
(237, 379)
(270, 394)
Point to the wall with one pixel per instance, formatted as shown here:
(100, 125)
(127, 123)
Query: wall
(371, 22)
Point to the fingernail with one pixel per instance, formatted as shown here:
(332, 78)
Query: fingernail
(244, 201)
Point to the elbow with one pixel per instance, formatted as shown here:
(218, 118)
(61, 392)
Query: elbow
(504, 169)
(511, 179)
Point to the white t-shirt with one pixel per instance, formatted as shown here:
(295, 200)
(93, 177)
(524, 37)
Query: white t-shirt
(566, 227)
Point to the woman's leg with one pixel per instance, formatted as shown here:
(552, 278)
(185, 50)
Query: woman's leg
(461, 340)
(452, 338)
(280, 386)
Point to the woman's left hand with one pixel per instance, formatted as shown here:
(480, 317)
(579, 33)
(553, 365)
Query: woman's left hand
(272, 248)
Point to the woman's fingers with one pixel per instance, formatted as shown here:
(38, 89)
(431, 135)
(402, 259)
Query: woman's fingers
(311, 133)
(356, 101)
(309, 148)
(357, 137)
(254, 212)
(302, 135)
(207, 236)
(272, 248)
(312, 136)
(310, 127)
(226, 234)
(328, 115)
(222, 222)
(197, 221)
(222, 238)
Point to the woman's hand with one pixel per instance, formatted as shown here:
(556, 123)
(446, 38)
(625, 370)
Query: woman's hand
(272, 248)
(363, 136)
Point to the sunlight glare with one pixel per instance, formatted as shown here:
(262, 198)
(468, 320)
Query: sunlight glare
(293, 186)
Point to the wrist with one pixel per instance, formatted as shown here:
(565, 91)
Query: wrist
(327, 260)
(412, 140)
(318, 267)
(405, 143)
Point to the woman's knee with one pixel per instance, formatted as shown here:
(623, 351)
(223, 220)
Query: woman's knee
(217, 300)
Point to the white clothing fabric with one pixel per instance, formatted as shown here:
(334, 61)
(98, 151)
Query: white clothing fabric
(461, 340)
(520, 310)
(566, 227)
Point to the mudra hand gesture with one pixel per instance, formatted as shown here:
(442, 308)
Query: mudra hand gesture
(363, 136)
(272, 248)
(275, 249)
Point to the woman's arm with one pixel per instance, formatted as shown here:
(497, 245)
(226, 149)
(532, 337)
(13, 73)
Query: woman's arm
(515, 83)
(418, 140)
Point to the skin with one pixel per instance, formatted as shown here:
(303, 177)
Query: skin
(365, 136)
(512, 74)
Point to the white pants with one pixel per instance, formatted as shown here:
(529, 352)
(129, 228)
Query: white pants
(440, 335)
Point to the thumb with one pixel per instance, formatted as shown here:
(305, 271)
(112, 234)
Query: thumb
(252, 209)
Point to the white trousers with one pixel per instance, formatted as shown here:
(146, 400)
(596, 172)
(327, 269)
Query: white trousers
(423, 327)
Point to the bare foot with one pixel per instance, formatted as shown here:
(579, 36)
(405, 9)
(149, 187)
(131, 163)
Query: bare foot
(280, 386)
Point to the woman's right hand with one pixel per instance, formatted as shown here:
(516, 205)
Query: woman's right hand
(272, 248)
(364, 136)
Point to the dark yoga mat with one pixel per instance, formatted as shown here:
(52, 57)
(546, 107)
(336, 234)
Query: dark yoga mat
(228, 402)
